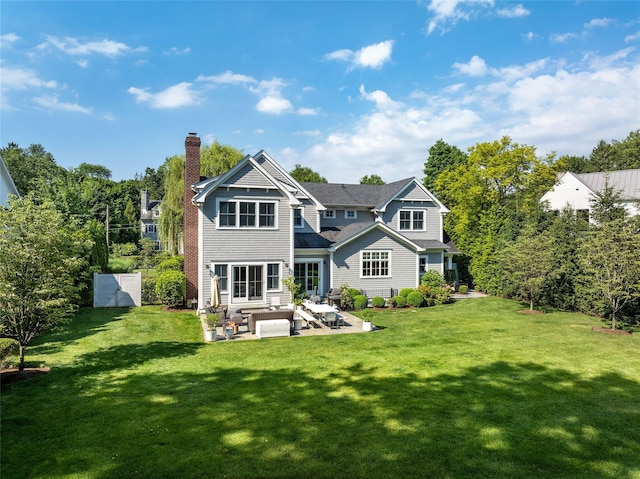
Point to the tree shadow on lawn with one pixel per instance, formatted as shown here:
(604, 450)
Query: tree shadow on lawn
(84, 323)
(499, 420)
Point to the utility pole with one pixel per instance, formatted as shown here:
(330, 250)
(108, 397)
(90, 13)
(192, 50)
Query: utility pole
(107, 226)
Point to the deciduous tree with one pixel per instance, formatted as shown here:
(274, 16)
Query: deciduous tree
(529, 263)
(42, 257)
(371, 180)
(305, 174)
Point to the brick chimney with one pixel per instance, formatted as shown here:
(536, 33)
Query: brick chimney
(190, 235)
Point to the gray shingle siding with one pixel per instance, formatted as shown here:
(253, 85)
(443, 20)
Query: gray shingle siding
(431, 219)
(347, 268)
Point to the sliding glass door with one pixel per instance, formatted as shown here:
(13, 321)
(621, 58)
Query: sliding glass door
(248, 283)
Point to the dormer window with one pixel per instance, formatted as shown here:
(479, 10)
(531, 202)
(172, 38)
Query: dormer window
(350, 214)
(330, 214)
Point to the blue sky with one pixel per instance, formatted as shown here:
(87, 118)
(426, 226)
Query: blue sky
(346, 88)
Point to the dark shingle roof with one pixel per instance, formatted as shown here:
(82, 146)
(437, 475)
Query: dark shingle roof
(342, 194)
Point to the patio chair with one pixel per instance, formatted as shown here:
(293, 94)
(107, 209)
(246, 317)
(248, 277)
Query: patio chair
(331, 319)
(275, 303)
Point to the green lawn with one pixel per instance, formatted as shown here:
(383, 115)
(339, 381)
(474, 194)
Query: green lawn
(472, 389)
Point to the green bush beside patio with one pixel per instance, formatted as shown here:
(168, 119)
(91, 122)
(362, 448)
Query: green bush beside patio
(471, 389)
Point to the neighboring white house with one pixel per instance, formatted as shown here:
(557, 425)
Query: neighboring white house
(577, 190)
(7, 187)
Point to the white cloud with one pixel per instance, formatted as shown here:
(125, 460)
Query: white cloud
(227, 78)
(176, 96)
(53, 103)
(273, 104)
(372, 56)
(308, 133)
(530, 36)
(259, 131)
(476, 67)
(83, 63)
(8, 39)
(562, 37)
(632, 38)
(447, 13)
(308, 111)
(173, 51)
(548, 104)
(271, 100)
(513, 12)
(73, 46)
(598, 23)
(380, 98)
(22, 79)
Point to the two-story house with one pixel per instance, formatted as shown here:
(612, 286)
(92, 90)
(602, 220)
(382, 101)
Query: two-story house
(577, 190)
(254, 225)
(149, 218)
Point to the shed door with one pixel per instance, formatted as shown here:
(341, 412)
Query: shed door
(116, 290)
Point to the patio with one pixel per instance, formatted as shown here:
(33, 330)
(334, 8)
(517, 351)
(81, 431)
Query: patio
(349, 325)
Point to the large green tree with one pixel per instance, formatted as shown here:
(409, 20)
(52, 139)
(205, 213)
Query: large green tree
(304, 174)
(611, 263)
(371, 180)
(42, 257)
(28, 166)
(215, 159)
(442, 157)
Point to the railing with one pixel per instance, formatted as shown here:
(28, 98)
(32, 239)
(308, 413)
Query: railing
(385, 293)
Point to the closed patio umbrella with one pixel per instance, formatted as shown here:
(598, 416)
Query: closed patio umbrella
(215, 296)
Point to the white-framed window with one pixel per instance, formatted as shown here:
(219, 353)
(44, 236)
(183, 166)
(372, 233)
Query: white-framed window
(152, 228)
(273, 276)
(247, 214)
(298, 221)
(411, 220)
(350, 214)
(329, 213)
(375, 264)
(221, 271)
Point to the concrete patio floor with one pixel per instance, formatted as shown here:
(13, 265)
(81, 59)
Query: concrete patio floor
(351, 324)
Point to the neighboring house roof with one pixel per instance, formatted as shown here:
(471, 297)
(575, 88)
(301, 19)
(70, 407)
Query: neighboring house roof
(148, 213)
(626, 181)
(7, 186)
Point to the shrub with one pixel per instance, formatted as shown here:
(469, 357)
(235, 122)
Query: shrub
(148, 292)
(432, 279)
(415, 299)
(346, 298)
(378, 302)
(463, 289)
(170, 287)
(171, 264)
(404, 292)
(398, 301)
(360, 301)
(120, 265)
(435, 295)
(354, 292)
(125, 249)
